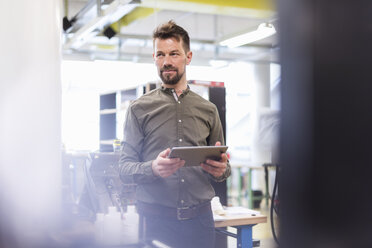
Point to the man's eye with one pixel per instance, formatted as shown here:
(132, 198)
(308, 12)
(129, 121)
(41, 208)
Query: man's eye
(174, 54)
(159, 55)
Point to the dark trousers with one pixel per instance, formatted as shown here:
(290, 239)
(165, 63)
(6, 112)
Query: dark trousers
(197, 232)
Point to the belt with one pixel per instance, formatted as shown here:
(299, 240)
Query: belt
(182, 213)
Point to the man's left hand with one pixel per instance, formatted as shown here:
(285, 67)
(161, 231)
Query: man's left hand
(216, 168)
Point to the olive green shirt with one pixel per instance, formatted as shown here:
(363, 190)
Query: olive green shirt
(159, 120)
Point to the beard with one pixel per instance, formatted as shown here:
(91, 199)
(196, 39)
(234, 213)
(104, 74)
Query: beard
(168, 79)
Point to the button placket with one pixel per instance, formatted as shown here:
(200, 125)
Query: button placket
(179, 123)
(182, 189)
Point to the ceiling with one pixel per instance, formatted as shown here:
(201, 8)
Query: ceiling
(207, 22)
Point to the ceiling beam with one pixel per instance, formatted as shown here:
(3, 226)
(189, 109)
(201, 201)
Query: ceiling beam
(136, 14)
(243, 8)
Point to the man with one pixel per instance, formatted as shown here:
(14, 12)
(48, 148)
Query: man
(174, 200)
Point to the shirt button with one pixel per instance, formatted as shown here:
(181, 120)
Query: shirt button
(182, 201)
(179, 102)
(182, 180)
(179, 121)
(180, 140)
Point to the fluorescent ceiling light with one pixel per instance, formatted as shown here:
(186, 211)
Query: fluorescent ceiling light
(217, 63)
(264, 30)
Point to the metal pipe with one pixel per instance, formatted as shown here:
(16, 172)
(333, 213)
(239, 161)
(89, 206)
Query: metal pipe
(227, 233)
(65, 7)
(84, 10)
(99, 9)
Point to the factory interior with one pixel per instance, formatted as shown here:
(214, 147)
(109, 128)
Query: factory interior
(290, 80)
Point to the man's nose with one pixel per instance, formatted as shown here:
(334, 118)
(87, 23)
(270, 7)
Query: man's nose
(167, 60)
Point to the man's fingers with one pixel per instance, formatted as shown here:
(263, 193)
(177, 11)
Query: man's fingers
(218, 143)
(217, 172)
(217, 164)
(166, 169)
(165, 153)
(216, 168)
(224, 157)
(169, 161)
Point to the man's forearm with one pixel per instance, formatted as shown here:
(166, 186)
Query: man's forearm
(140, 172)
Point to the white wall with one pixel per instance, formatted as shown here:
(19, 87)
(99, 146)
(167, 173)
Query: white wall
(83, 82)
(30, 109)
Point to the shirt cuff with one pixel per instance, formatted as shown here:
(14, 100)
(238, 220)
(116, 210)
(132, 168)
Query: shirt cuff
(221, 178)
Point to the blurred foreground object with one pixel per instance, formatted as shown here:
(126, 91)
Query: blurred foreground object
(326, 135)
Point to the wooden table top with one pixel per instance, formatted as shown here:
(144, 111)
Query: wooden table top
(240, 220)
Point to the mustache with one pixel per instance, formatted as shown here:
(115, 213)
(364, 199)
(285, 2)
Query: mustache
(168, 68)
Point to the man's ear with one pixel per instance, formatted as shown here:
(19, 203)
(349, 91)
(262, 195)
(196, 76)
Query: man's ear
(153, 56)
(188, 57)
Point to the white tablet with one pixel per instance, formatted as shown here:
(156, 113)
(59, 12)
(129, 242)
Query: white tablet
(194, 155)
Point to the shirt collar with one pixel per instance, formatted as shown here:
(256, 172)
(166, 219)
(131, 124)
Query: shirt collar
(169, 90)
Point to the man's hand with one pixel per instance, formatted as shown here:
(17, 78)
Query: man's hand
(216, 168)
(163, 166)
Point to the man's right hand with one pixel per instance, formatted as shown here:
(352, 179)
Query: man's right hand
(163, 166)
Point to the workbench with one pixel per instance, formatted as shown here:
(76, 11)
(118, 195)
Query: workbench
(243, 223)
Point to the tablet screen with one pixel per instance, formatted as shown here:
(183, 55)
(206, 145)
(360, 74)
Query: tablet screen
(194, 155)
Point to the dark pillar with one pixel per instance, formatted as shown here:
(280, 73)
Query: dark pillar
(217, 95)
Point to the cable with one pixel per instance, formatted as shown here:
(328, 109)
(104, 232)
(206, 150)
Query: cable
(272, 206)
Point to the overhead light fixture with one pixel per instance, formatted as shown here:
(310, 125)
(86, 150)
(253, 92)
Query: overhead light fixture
(264, 30)
(66, 24)
(109, 32)
(218, 63)
(112, 13)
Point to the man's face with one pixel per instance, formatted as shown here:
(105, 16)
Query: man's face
(171, 60)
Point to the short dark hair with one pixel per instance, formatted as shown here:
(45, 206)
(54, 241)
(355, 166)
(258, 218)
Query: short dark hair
(171, 30)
